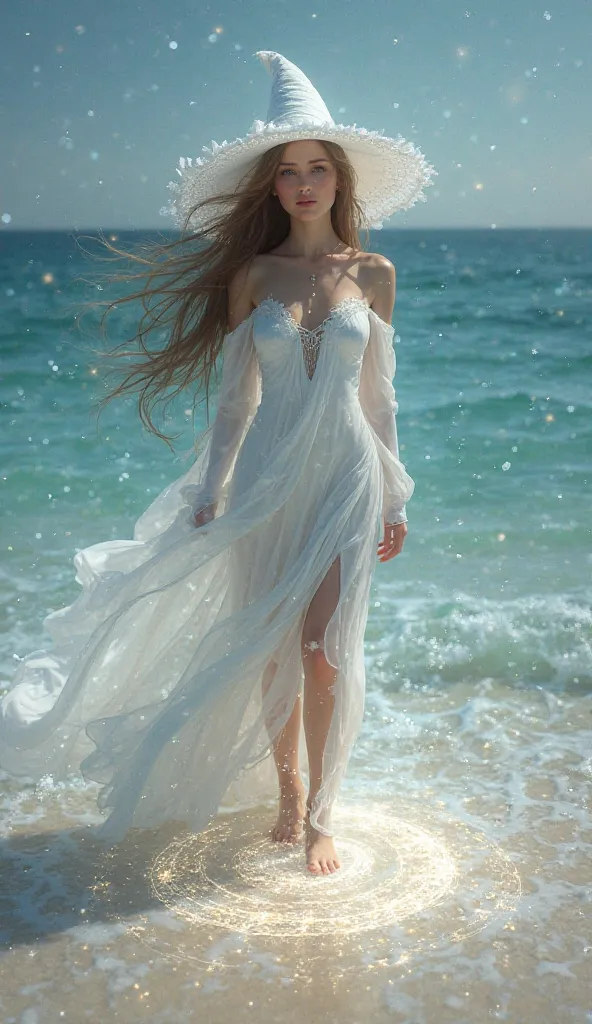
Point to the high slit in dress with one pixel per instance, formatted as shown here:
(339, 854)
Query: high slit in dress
(153, 683)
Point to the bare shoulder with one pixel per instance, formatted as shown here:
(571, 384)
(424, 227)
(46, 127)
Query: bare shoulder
(382, 268)
(240, 291)
(261, 267)
(383, 278)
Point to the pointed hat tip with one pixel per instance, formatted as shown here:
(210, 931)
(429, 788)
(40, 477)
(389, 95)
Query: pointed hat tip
(266, 57)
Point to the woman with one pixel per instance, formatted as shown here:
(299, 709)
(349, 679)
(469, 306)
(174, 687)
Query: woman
(192, 654)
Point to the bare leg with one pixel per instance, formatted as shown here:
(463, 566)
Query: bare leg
(292, 806)
(319, 701)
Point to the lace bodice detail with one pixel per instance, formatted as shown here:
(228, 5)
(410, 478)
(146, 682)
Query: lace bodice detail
(345, 368)
(310, 339)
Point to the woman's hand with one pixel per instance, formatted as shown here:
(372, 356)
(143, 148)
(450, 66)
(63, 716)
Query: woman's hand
(392, 542)
(205, 514)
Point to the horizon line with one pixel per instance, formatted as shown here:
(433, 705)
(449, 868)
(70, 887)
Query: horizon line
(8, 229)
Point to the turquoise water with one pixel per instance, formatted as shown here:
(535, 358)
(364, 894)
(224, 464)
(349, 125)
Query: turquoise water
(494, 355)
(464, 824)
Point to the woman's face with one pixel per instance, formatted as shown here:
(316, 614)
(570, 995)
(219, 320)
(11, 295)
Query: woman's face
(305, 173)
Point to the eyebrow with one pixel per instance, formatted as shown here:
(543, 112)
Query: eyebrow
(321, 159)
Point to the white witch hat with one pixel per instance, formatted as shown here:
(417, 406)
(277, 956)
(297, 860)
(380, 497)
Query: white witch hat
(391, 173)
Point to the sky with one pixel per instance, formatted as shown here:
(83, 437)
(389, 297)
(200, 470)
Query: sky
(98, 100)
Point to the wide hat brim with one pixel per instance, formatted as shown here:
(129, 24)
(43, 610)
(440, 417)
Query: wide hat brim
(391, 172)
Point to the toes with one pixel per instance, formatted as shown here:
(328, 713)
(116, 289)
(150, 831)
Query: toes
(318, 867)
(284, 834)
(323, 867)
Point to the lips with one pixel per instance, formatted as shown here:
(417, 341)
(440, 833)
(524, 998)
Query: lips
(305, 202)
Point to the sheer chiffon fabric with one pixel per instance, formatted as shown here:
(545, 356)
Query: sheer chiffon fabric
(179, 663)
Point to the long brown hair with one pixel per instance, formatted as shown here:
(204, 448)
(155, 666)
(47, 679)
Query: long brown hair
(186, 291)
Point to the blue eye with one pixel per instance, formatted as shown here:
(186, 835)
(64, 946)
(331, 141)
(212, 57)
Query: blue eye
(288, 170)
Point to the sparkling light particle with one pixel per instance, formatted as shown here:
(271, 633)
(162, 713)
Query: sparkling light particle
(424, 877)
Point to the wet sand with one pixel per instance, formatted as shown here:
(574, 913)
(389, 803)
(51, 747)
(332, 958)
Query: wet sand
(469, 899)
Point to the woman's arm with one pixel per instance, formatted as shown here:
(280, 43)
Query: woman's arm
(238, 397)
(377, 394)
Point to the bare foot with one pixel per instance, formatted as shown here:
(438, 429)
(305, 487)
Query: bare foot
(321, 855)
(292, 808)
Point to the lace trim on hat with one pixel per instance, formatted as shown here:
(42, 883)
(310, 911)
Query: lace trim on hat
(402, 170)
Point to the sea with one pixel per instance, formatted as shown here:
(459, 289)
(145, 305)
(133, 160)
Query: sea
(464, 824)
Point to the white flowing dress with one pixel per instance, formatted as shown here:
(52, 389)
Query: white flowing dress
(153, 686)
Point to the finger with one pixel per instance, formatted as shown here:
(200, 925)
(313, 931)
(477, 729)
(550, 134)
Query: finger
(391, 550)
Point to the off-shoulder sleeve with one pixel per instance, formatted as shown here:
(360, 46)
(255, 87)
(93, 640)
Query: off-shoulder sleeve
(239, 395)
(379, 404)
